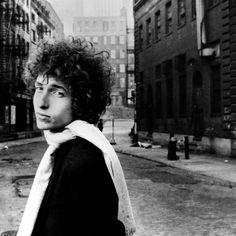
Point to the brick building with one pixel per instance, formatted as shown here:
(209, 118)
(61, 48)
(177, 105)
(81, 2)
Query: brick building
(185, 71)
(22, 24)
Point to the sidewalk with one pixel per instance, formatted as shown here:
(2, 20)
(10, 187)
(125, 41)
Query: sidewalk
(214, 169)
(217, 170)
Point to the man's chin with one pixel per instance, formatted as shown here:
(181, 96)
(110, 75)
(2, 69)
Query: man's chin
(44, 126)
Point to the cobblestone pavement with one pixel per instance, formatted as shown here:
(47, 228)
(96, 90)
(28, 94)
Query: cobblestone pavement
(166, 201)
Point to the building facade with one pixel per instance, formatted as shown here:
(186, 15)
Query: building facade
(109, 33)
(185, 74)
(23, 23)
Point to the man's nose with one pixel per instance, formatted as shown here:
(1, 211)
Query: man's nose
(43, 101)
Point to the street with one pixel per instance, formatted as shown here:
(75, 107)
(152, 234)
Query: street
(165, 200)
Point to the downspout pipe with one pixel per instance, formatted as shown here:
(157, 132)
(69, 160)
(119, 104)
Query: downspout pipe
(201, 29)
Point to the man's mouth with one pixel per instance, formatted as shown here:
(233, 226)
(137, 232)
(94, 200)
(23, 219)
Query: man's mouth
(42, 117)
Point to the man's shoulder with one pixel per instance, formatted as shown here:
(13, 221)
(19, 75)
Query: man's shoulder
(81, 150)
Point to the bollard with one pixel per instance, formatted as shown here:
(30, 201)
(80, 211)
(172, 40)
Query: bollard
(186, 147)
(172, 149)
(113, 142)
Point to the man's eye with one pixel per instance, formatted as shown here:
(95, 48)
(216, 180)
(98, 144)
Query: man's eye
(58, 93)
(38, 89)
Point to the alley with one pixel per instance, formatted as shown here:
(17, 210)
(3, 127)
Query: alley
(166, 201)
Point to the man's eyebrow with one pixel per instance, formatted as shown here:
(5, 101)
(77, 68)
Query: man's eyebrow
(59, 87)
(37, 83)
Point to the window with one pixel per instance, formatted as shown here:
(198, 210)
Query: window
(158, 25)
(149, 31)
(168, 18)
(193, 9)
(158, 72)
(94, 25)
(105, 26)
(23, 25)
(140, 36)
(169, 87)
(158, 100)
(140, 97)
(122, 68)
(114, 68)
(181, 12)
(27, 23)
(27, 47)
(105, 40)
(113, 39)
(95, 39)
(86, 26)
(180, 62)
(215, 90)
(122, 82)
(79, 28)
(122, 39)
(33, 17)
(212, 3)
(113, 26)
(122, 53)
(182, 95)
(113, 54)
(122, 25)
(33, 35)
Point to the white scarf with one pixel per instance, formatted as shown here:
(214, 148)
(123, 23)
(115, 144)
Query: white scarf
(92, 134)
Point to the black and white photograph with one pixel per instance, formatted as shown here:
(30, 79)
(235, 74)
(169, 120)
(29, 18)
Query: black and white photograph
(117, 118)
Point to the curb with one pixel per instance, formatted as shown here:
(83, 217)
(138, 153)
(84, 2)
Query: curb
(211, 180)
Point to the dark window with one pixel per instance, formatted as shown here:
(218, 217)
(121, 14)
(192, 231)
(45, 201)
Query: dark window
(181, 12)
(169, 87)
(180, 62)
(158, 72)
(182, 95)
(27, 23)
(158, 25)
(149, 31)
(140, 36)
(141, 96)
(212, 3)
(27, 47)
(33, 35)
(215, 90)
(158, 100)
(193, 9)
(33, 17)
(23, 21)
(168, 18)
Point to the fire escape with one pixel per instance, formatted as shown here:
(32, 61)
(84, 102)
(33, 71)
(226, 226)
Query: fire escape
(14, 51)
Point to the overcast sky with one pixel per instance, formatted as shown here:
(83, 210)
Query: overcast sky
(68, 9)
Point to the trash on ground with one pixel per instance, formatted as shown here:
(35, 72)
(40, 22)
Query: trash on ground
(141, 144)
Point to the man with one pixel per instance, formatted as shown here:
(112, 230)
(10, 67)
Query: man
(79, 188)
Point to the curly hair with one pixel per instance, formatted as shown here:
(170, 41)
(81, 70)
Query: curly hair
(77, 64)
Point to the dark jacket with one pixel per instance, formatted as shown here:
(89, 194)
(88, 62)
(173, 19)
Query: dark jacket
(81, 198)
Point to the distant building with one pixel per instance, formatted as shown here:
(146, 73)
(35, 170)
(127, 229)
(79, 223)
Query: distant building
(185, 71)
(22, 25)
(109, 34)
(58, 30)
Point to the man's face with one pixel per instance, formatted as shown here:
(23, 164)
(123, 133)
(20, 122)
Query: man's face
(52, 103)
